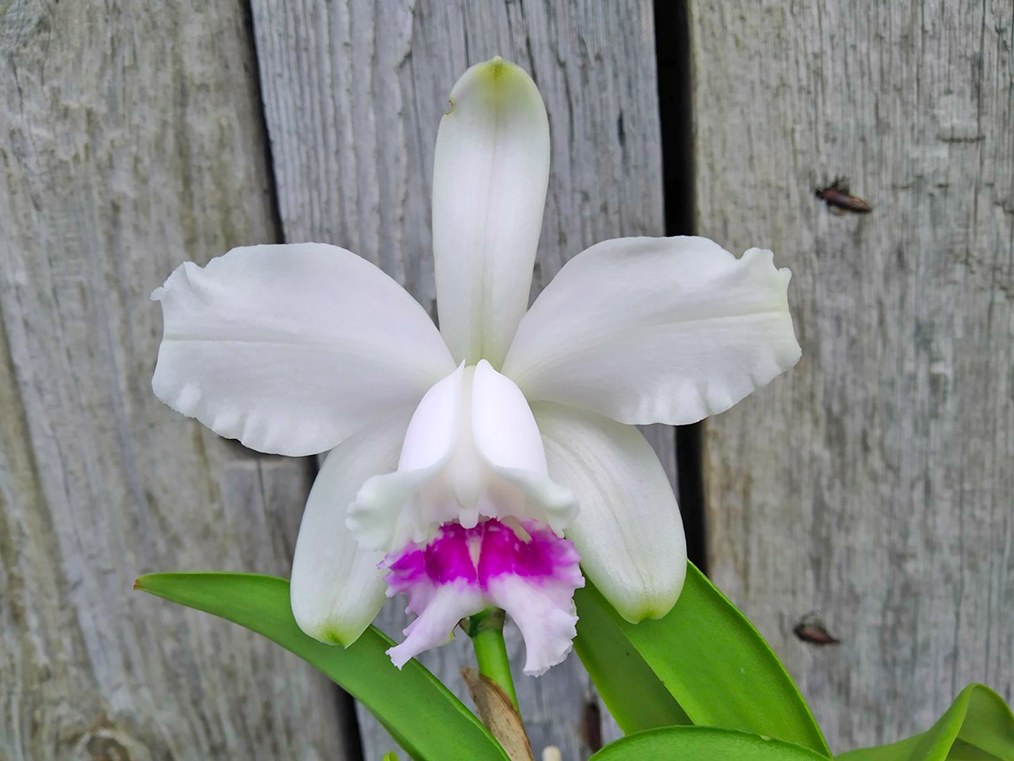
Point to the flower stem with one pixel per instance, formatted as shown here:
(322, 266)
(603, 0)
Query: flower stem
(486, 631)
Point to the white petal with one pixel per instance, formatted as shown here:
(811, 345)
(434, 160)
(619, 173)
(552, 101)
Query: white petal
(490, 175)
(656, 330)
(507, 439)
(438, 616)
(291, 349)
(337, 588)
(385, 514)
(545, 614)
(629, 532)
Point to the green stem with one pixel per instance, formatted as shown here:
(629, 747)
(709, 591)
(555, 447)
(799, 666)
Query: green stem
(486, 631)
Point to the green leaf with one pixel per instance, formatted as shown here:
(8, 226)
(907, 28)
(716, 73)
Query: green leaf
(707, 655)
(629, 688)
(390, 756)
(977, 727)
(699, 743)
(424, 717)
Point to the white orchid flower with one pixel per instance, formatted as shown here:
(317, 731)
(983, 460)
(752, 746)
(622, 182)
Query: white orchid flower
(458, 458)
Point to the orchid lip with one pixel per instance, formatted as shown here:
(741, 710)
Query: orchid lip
(526, 570)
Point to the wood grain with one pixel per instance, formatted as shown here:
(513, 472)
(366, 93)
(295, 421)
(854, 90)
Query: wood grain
(130, 140)
(353, 96)
(873, 483)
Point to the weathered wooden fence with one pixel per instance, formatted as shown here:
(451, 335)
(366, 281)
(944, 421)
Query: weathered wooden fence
(873, 484)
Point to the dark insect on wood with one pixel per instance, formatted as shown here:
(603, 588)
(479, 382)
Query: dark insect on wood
(837, 196)
(812, 630)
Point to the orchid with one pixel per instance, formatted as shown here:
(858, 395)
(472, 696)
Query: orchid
(495, 461)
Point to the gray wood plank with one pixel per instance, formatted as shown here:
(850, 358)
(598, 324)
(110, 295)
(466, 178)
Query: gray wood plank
(873, 483)
(353, 96)
(130, 140)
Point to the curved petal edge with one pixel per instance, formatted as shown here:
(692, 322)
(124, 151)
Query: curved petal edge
(679, 329)
(628, 531)
(490, 176)
(292, 348)
(337, 588)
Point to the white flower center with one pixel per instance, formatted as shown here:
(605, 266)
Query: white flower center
(472, 450)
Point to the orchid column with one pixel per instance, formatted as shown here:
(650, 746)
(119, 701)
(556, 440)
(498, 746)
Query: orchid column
(479, 465)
